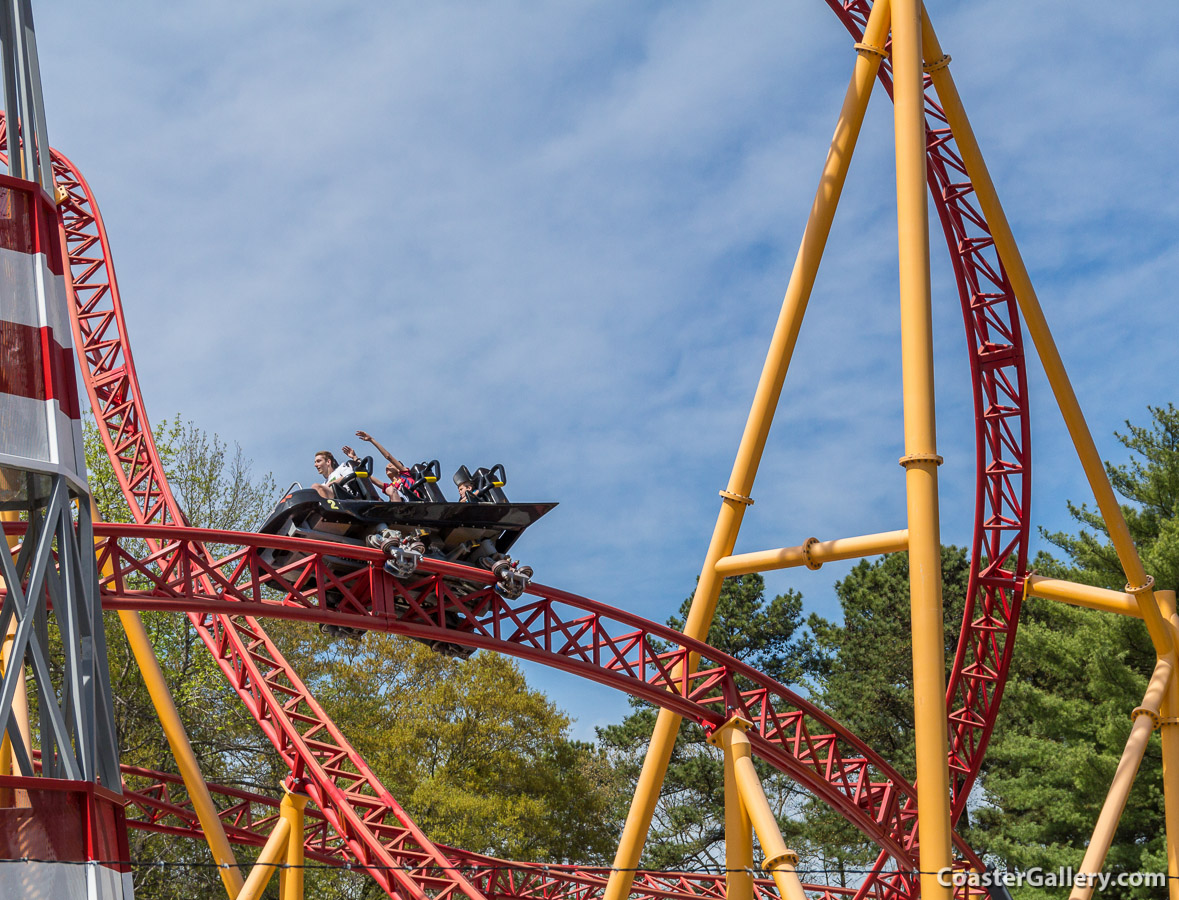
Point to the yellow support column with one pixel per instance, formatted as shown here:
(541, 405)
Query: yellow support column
(765, 401)
(6, 756)
(1139, 583)
(290, 879)
(1146, 719)
(20, 700)
(268, 860)
(738, 838)
(814, 553)
(780, 862)
(177, 737)
(186, 761)
(1169, 733)
(1082, 595)
(921, 459)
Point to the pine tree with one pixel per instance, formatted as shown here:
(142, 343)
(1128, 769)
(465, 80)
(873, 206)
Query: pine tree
(1075, 677)
(863, 675)
(687, 832)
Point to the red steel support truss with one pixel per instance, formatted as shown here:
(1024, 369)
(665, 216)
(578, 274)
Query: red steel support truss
(359, 820)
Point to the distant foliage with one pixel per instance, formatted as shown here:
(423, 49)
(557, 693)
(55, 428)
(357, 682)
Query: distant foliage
(476, 757)
(215, 488)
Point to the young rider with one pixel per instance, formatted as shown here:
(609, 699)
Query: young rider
(396, 471)
(326, 465)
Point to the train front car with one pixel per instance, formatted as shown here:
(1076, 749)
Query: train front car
(477, 531)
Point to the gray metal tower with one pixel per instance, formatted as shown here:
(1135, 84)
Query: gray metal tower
(51, 619)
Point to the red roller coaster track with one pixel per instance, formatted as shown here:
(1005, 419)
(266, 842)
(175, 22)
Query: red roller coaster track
(357, 820)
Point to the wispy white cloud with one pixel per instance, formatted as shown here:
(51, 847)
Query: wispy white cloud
(557, 237)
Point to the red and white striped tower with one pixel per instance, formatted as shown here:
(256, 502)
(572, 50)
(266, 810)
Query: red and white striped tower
(62, 828)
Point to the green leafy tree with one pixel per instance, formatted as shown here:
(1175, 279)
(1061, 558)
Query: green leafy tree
(476, 757)
(1075, 676)
(688, 829)
(864, 673)
(217, 489)
(1149, 482)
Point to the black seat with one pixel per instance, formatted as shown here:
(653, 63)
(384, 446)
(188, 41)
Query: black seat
(425, 483)
(487, 483)
(357, 484)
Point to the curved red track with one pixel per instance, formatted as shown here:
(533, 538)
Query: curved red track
(1003, 468)
(360, 821)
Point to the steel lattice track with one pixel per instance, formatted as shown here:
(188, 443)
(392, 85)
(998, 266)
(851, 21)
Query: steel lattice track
(1003, 459)
(377, 832)
(371, 826)
(367, 823)
(547, 625)
(158, 802)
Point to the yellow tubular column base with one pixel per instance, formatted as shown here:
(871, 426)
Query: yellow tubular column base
(290, 879)
(1169, 735)
(736, 495)
(738, 839)
(271, 856)
(813, 553)
(20, 700)
(780, 862)
(7, 797)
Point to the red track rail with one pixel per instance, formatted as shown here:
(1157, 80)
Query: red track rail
(377, 832)
(158, 802)
(998, 563)
(371, 826)
(548, 626)
(367, 823)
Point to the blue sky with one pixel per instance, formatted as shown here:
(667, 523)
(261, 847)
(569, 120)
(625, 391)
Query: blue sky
(557, 237)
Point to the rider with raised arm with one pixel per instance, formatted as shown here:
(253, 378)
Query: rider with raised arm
(396, 471)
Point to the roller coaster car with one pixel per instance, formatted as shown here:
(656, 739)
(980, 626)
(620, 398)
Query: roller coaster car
(476, 532)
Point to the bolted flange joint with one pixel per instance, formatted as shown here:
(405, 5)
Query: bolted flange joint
(1147, 585)
(789, 857)
(1155, 719)
(811, 562)
(861, 47)
(914, 458)
(937, 64)
(736, 721)
(295, 784)
(739, 498)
